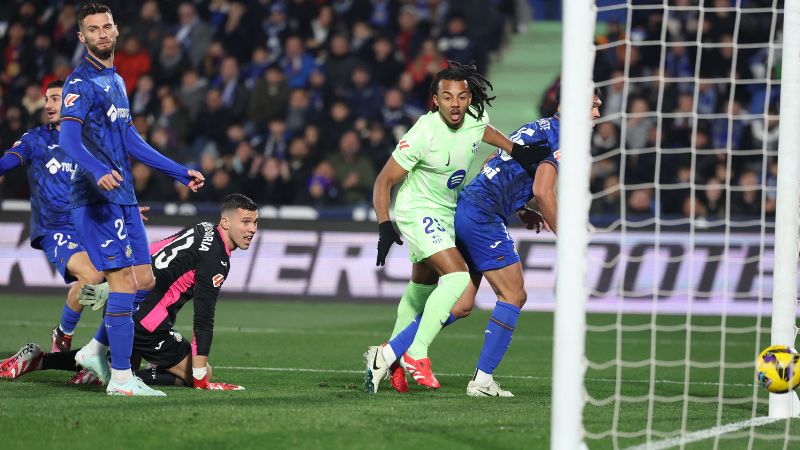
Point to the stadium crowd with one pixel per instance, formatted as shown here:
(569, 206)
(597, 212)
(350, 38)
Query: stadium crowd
(290, 102)
(300, 102)
(660, 105)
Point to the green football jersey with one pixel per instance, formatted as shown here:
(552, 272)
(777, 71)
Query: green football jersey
(437, 158)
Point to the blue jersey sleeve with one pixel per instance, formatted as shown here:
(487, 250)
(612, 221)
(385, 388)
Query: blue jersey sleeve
(22, 149)
(543, 132)
(70, 141)
(76, 100)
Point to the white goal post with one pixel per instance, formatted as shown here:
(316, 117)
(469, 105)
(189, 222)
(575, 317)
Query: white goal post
(787, 213)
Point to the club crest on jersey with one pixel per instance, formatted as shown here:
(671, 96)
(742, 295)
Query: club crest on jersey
(456, 178)
(70, 99)
(128, 251)
(217, 280)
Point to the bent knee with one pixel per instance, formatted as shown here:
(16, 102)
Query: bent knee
(517, 298)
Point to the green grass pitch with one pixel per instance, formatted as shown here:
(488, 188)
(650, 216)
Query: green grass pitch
(302, 366)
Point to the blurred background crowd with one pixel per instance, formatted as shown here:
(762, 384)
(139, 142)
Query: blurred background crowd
(300, 102)
(291, 102)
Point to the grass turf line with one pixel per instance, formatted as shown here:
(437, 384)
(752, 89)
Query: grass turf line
(283, 408)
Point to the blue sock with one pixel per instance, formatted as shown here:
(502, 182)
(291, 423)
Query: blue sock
(498, 336)
(403, 340)
(140, 295)
(119, 326)
(102, 335)
(69, 319)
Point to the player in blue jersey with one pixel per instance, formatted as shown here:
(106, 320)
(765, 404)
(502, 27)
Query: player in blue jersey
(97, 133)
(51, 229)
(502, 188)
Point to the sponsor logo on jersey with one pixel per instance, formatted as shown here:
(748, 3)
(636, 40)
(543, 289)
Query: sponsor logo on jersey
(403, 145)
(70, 99)
(208, 237)
(217, 280)
(456, 178)
(75, 81)
(52, 147)
(104, 245)
(115, 113)
(107, 88)
(53, 166)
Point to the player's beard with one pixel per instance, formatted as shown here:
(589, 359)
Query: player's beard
(102, 54)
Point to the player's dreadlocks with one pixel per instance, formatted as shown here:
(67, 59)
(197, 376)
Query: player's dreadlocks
(477, 83)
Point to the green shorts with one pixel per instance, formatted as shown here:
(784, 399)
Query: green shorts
(426, 232)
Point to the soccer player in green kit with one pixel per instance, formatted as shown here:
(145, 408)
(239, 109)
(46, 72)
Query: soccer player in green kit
(433, 158)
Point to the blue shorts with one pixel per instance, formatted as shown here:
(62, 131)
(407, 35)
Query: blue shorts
(59, 246)
(484, 241)
(113, 235)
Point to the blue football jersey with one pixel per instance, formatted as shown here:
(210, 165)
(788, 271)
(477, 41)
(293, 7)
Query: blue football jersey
(503, 186)
(95, 96)
(49, 172)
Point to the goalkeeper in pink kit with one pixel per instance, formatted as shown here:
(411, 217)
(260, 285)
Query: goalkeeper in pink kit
(189, 265)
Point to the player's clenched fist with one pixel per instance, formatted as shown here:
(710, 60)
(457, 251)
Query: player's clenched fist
(532, 220)
(110, 181)
(197, 180)
(387, 235)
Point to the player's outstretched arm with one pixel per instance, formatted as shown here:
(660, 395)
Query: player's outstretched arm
(8, 162)
(143, 152)
(544, 185)
(69, 139)
(390, 175)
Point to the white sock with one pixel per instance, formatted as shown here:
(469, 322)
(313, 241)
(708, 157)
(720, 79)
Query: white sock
(121, 376)
(482, 378)
(388, 354)
(95, 347)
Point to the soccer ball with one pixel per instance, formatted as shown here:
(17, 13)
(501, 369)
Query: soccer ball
(778, 369)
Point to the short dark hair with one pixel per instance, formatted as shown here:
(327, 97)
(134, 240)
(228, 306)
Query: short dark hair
(238, 201)
(55, 84)
(87, 9)
(477, 83)
(595, 93)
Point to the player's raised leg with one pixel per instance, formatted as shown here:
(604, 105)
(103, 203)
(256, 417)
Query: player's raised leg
(507, 283)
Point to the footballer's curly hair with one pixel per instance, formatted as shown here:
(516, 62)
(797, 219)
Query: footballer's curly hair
(478, 85)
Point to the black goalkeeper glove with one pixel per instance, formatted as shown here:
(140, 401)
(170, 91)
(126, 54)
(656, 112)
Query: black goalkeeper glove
(386, 237)
(529, 155)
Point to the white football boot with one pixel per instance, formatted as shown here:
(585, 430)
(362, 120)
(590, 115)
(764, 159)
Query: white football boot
(131, 388)
(377, 368)
(493, 390)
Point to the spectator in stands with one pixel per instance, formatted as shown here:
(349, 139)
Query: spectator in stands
(713, 198)
(214, 120)
(143, 100)
(608, 204)
(275, 28)
(270, 98)
(363, 95)
(175, 120)
(339, 120)
(455, 43)
(300, 164)
(149, 26)
(271, 185)
(234, 95)
(639, 124)
(296, 63)
(256, 67)
(353, 171)
(277, 143)
(147, 185)
(192, 93)
(425, 66)
(339, 64)
(32, 101)
(386, 66)
(236, 34)
(192, 33)
(321, 188)
(132, 61)
(170, 63)
(746, 200)
(378, 146)
(321, 30)
(299, 112)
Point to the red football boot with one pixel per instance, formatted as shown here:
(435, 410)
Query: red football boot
(61, 342)
(420, 370)
(397, 378)
(27, 359)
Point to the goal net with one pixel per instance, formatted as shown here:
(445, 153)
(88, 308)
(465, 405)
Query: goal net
(680, 223)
